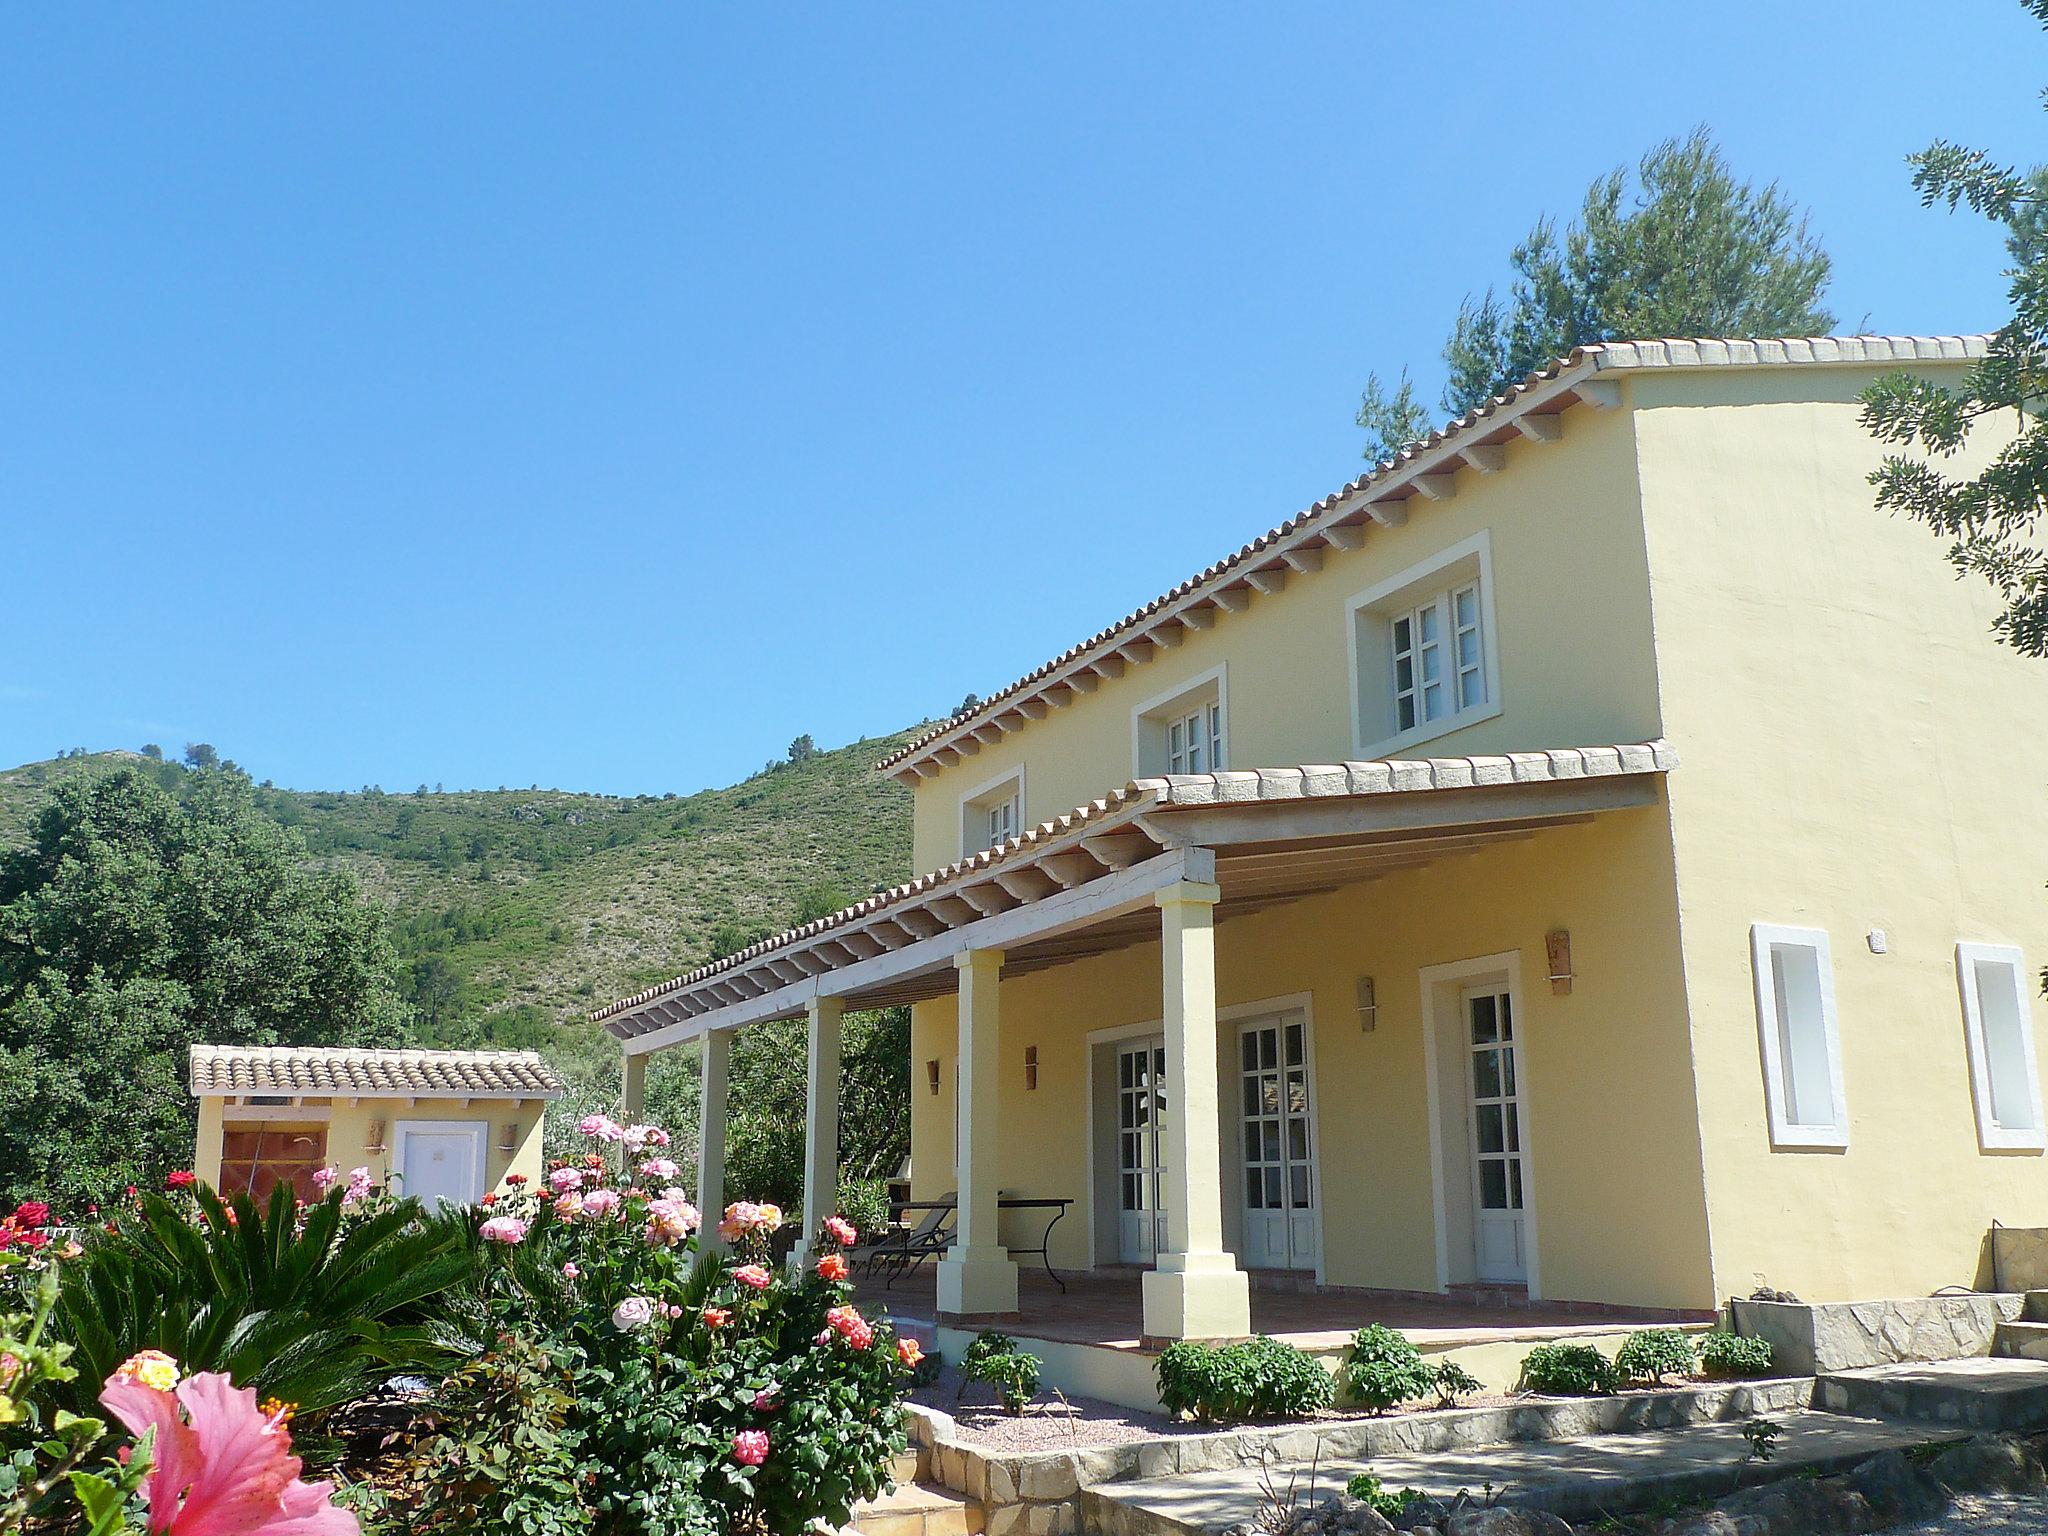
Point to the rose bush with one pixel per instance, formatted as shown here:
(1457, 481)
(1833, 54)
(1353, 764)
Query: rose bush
(704, 1393)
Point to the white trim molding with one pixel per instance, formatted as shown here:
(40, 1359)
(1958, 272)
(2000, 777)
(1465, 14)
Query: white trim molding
(1431, 574)
(2005, 1052)
(972, 802)
(1789, 1129)
(1217, 676)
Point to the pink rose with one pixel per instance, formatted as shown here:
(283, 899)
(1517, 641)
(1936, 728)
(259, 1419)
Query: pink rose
(768, 1399)
(503, 1229)
(600, 1203)
(753, 1276)
(570, 1271)
(563, 1179)
(750, 1447)
(660, 1168)
(840, 1230)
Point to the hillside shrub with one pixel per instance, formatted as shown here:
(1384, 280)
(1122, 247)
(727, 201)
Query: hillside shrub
(1260, 1378)
(1567, 1370)
(1382, 1369)
(1732, 1354)
(1648, 1355)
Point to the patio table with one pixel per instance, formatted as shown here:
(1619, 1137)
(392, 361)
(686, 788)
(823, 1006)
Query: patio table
(1057, 1204)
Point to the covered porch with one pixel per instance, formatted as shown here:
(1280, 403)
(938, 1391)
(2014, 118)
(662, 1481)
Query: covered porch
(1163, 863)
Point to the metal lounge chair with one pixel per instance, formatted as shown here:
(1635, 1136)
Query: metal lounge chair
(901, 1252)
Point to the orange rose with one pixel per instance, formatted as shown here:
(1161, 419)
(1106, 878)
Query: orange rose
(832, 1267)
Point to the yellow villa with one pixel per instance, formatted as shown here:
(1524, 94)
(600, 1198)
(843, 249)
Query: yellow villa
(1596, 859)
(442, 1125)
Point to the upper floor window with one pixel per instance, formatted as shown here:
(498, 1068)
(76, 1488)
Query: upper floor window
(993, 814)
(1423, 651)
(1439, 666)
(2000, 1032)
(1181, 731)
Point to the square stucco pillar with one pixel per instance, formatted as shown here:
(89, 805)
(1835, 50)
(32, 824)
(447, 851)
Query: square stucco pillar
(1195, 1289)
(821, 1123)
(633, 1089)
(717, 1065)
(977, 1277)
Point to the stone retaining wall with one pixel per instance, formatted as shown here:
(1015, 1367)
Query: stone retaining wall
(1036, 1493)
(1813, 1338)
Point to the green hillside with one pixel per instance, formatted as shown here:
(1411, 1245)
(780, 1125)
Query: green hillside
(515, 912)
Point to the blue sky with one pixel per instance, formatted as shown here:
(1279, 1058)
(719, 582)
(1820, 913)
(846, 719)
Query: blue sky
(600, 396)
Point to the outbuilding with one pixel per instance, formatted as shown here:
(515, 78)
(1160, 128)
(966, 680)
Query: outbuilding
(442, 1125)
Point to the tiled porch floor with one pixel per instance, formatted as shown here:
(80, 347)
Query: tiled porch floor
(1105, 1309)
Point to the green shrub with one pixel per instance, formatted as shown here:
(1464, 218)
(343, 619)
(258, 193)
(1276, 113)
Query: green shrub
(1650, 1354)
(458, 1476)
(1382, 1369)
(995, 1360)
(1365, 1488)
(1453, 1381)
(1261, 1378)
(1567, 1370)
(1730, 1354)
(1015, 1378)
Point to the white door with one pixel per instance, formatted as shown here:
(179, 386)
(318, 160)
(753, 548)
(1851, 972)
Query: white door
(1141, 1169)
(1277, 1136)
(1496, 1131)
(441, 1161)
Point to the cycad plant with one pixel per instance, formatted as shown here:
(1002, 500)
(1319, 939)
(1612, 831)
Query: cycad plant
(313, 1308)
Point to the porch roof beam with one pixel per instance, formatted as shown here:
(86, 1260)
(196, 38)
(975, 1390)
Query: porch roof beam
(1066, 911)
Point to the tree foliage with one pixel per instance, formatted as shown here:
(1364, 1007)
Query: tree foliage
(134, 923)
(1989, 516)
(1681, 248)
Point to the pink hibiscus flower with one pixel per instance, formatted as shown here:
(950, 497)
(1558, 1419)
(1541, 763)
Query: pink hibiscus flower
(223, 1467)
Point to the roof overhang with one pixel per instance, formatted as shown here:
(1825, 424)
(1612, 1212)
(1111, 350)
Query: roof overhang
(1423, 472)
(1086, 883)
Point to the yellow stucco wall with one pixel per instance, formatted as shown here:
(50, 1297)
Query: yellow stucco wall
(1614, 1157)
(349, 1126)
(1857, 752)
(1562, 521)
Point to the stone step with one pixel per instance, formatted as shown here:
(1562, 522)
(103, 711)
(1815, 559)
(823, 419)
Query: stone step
(919, 1509)
(1578, 1480)
(1988, 1393)
(2035, 1308)
(2021, 1341)
(913, 1466)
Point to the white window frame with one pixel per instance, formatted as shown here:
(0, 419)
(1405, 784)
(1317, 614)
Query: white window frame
(1785, 1131)
(1163, 711)
(1432, 582)
(976, 804)
(1991, 1135)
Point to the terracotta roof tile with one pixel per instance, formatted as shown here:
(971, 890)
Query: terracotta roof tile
(363, 1074)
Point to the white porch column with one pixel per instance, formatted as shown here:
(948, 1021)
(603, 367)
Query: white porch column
(977, 1277)
(633, 1089)
(1195, 1289)
(717, 1063)
(821, 1123)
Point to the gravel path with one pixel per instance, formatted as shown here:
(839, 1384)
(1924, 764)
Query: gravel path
(1985, 1514)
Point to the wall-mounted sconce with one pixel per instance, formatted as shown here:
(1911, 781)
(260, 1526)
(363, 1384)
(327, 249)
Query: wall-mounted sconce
(510, 1141)
(931, 1074)
(1557, 944)
(1368, 1006)
(376, 1137)
(1030, 1067)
